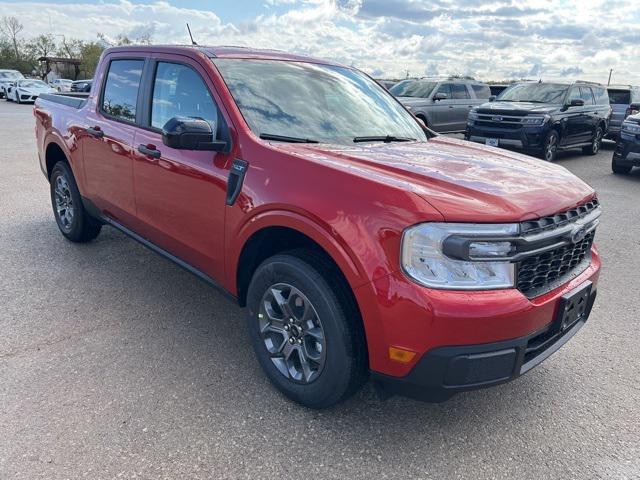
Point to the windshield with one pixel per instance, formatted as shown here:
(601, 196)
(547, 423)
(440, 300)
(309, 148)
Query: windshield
(10, 75)
(535, 92)
(31, 83)
(324, 103)
(413, 88)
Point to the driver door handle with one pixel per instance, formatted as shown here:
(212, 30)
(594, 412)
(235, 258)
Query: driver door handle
(149, 150)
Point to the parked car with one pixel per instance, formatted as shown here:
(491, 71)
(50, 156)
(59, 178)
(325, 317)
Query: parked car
(27, 90)
(8, 77)
(627, 152)
(361, 242)
(442, 104)
(543, 118)
(620, 98)
(81, 86)
(61, 84)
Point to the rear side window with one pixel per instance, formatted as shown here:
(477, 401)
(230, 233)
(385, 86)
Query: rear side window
(459, 91)
(121, 89)
(179, 90)
(622, 97)
(481, 91)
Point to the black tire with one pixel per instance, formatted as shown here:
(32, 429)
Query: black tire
(18, 101)
(72, 219)
(620, 169)
(596, 143)
(549, 151)
(344, 356)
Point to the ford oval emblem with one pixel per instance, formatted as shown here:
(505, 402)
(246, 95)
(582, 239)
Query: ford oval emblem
(496, 119)
(578, 234)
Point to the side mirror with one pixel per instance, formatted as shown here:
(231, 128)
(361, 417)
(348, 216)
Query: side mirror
(439, 96)
(190, 133)
(577, 102)
(492, 98)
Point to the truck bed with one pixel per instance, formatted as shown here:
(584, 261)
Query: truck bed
(75, 99)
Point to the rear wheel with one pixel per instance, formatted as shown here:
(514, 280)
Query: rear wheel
(305, 334)
(72, 219)
(596, 143)
(550, 148)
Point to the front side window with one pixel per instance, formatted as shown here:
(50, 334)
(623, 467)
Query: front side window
(459, 91)
(324, 103)
(535, 93)
(445, 88)
(121, 89)
(179, 91)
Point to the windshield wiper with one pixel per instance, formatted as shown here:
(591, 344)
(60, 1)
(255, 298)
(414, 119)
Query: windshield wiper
(383, 138)
(284, 138)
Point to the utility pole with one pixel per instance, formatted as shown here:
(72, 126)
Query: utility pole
(610, 72)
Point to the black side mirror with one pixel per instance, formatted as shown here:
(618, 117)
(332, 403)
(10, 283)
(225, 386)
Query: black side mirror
(577, 102)
(439, 96)
(190, 133)
(492, 98)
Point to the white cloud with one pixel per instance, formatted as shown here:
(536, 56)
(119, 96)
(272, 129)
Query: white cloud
(495, 40)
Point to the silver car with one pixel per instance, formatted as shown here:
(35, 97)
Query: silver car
(7, 78)
(442, 104)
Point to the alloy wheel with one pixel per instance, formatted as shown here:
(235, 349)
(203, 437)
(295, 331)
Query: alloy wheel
(551, 148)
(64, 203)
(292, 333)
(597, 141)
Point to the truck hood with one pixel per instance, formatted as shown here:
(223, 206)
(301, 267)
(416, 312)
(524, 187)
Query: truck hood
(464, 181)
(517, 108)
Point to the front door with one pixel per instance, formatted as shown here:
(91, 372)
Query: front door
(444, 114)
(180, 194)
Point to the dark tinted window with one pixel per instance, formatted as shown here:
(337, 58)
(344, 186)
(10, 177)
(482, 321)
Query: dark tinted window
(586, 95)
(622, 97)
(121, 89)
(481, 91)
(602, 97)
(459, 91)
(179, 91)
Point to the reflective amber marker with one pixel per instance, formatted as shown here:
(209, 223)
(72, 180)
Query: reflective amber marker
(401, 355)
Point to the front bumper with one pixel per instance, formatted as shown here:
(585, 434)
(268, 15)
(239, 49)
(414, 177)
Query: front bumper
(445, 371)
(627, 150)
(525, 138)
(441, 326)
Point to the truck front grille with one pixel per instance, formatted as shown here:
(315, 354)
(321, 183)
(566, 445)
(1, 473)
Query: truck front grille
(539, 273)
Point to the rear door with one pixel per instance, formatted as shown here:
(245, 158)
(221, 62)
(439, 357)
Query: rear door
(180, 195)
(108, 138)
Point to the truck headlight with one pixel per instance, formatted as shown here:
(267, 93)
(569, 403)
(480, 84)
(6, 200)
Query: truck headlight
(631, 127)
(535, 120)
(424, 261)
(472, 117)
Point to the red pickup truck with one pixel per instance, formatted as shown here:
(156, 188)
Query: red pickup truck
(363, 244)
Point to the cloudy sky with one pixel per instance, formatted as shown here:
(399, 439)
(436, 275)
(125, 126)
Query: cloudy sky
(491, 40)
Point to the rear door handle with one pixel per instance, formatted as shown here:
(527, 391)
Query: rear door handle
(95, 132)
(149, 150)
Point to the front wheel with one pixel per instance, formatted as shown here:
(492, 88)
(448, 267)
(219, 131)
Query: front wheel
(596, 143)
(619, 169)
(306, 335)
(550, 148)
(72, 219)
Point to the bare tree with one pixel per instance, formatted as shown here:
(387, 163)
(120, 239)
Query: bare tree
(11, 27)
(42, 46)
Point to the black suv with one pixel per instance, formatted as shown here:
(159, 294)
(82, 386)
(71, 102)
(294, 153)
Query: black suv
(627, 153)
(543, 118)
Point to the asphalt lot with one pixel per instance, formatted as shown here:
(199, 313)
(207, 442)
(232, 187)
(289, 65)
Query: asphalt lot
(114, 363)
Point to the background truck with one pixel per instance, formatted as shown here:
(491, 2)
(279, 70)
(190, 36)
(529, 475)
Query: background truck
(361, 243)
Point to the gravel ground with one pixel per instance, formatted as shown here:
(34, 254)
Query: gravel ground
(114, 363)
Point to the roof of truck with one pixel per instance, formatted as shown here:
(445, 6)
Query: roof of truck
(223, 51)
